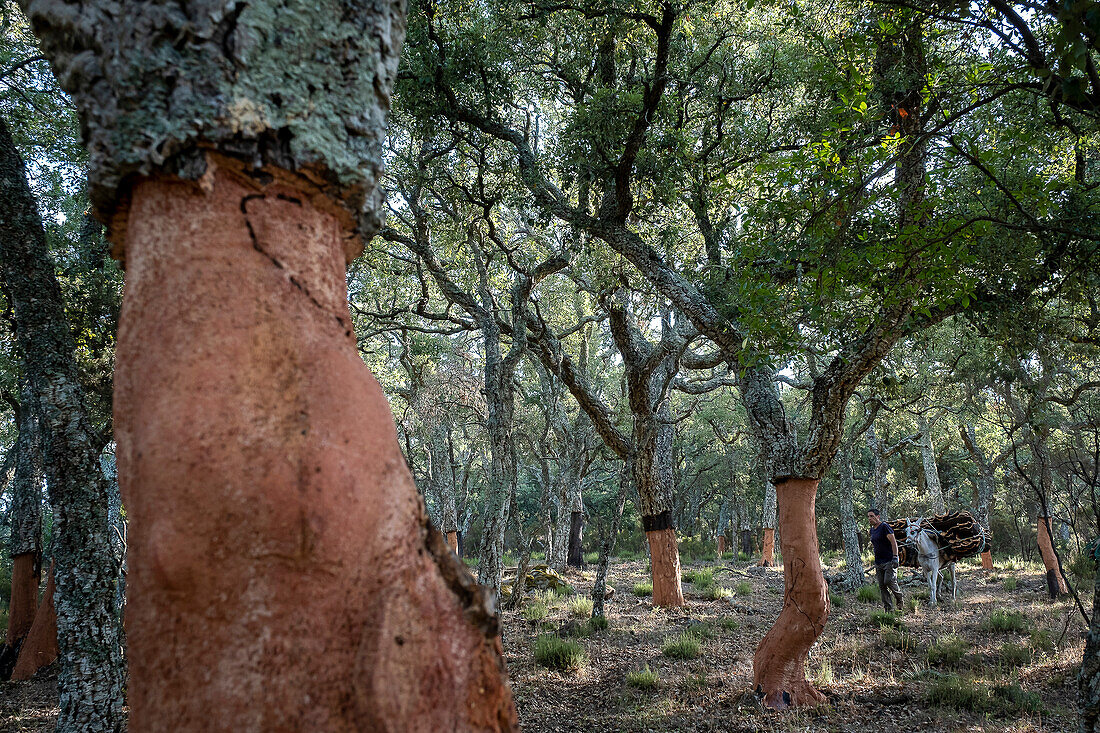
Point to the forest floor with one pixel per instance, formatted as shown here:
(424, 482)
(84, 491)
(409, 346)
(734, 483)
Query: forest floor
(996, 660)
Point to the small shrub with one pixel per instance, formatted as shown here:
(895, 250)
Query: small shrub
(1083, 567)
(553, 652)
(1004, 622)
(1015, 655)
(1010, 583)
(897, 638)
(563, 591)
(954, 692)
(1015, 700)
(717, 593)
(948, 650)
(539, 556)
(643, 679)
(744, 556)
(824, 674)
(579, 606)
(508, 558)
(599, 623)
(643, 589)
(837, 600)
(885, 618)
(730, 624)
(869, 594)
(693, 682)
(924, 594)
(1042, 641)
(591, 557)
(684, 645)
(744, 588)
(471, 562)
(535, 611)
(703, 578)
(912, 605)
(728, 555)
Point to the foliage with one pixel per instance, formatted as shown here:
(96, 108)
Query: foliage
(948, 650)
(643, 589)
(1005, 622)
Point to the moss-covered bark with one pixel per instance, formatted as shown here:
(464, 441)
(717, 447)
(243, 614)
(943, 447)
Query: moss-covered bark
(90, 683)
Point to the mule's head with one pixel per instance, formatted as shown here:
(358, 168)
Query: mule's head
(912, 528)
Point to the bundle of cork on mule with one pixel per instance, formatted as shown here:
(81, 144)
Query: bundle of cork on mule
(958, 535)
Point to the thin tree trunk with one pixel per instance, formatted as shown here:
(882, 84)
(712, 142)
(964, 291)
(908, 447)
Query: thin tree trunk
(767, 522)
(779, 666)
(985, 486)
(599, 588)
(91, 678)
(26, 521)
(928, 461)
(1056, 585)
(853, 575)
(1088, 678)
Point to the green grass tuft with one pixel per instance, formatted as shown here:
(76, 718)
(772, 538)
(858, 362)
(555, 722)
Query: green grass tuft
(553, 652)
(837, 600)
(869, 594)
(1042, 641)
(718, 592)
(955, 692)
(744, 588)
(591, 557)
(730, 624)
(643, 679)
(1005, 622)
(1015, 655)
(897, 638)
(1010, 583)
(684, 645)
(1015, 700)
(599, 623)
(579, 606)
(948, 650)
(885, 618)
(643, 589)
(535, 610)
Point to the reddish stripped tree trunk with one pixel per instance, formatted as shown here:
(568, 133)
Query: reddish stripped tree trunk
(721, 544)
(665, 558)
(282, 572)
(452, 541)
(40, 647)
(1056, 585)
(779, 667)
(767, 553)
(987, 560)
(24, 596)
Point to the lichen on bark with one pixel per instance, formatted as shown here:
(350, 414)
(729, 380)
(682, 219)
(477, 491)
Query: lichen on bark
(296, 85)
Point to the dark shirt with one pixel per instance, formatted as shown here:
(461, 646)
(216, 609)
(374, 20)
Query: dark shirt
(880, 540)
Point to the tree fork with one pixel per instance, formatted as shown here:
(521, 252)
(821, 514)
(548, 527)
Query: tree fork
(779, 667)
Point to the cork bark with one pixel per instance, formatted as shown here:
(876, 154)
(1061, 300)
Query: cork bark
(1056, 585)
(332, 596)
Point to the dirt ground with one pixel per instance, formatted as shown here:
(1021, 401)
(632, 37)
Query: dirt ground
(1020, 678)
(876, 679)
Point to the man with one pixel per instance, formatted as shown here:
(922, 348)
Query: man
(886, 559)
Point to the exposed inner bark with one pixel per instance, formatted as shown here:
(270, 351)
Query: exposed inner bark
(40, 648)
(24, 596)
(252, 439)
(721, 544)
(779, 667)
(767, 556)
(987, 560)
(1056, 586)
(665, 558)
(452, 541)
